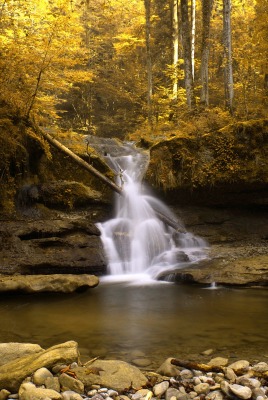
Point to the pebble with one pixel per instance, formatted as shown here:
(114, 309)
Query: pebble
(185, 385)
(243, 392)
(241, 364)
(202, 388)
(160, 388)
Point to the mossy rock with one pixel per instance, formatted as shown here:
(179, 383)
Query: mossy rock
(236, 154)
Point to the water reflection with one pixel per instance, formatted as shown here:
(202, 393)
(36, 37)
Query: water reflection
(162, 320)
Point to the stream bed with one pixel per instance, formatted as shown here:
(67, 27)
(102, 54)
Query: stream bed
(160, 319)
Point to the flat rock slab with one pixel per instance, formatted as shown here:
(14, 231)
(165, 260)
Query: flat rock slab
(247, 271)
(66, 283)
(113, 374)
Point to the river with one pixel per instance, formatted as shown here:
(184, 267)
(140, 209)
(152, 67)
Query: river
(161, 319)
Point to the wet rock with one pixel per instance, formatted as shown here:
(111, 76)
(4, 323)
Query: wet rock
(141, 362)
(218, 362)
(168, 369)
(11, 351)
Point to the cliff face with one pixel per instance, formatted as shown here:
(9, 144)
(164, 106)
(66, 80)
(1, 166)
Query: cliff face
(225, 167)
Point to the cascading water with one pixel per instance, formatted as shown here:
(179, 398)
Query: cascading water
(136, 241)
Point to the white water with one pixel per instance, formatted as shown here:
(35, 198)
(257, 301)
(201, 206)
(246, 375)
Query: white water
(136, 242)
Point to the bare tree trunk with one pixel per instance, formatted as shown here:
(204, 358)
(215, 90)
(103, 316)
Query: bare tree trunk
(206, 18)
(147, 4)
(193, 12)
(175, 26)
(227, 46)
(186, 41)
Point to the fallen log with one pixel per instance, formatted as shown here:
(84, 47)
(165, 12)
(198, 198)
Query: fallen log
(197, 366)
(76, 158)
(95, 172)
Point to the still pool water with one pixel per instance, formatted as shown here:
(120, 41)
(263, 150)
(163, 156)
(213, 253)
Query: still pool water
(162, 320)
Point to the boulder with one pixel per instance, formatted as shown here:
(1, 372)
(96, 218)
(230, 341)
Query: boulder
(11, 351)
(13, 373)
(66, 283)
(113, 374)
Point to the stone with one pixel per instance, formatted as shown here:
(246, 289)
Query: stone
(186, 374)
(69, 383)
(249, 382)
(240, 365)
(260, 367)
(160, 388)
(11, 351)
(230, 375)
(4, 394)
(258, 392)
(172, 392)
(225, 387)
(113, 374)
(53, 383)
(215, 395)
(141, 362)
(202, 388)
(168, 369)
(64, 283)
(28, 391)
(207, 352)
(112, 393)
(13, 373)
(218, 362)
(40, 376)
(243, 392)
(71, 395)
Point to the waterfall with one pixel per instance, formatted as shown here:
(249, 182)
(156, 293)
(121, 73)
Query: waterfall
(136, 241)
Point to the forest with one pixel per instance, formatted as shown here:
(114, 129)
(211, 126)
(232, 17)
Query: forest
(141, 68)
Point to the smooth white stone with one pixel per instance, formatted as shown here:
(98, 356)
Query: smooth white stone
(243, 392)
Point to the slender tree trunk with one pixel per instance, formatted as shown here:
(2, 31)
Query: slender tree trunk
(206, 18)
(193, 26)
(175, 26)
(227, 46)
(147, 4)
(186, 42)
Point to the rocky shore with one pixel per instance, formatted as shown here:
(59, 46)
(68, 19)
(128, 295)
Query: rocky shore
(28, 372)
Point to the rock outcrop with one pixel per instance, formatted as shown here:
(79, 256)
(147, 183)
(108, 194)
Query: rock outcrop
(63, 245)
